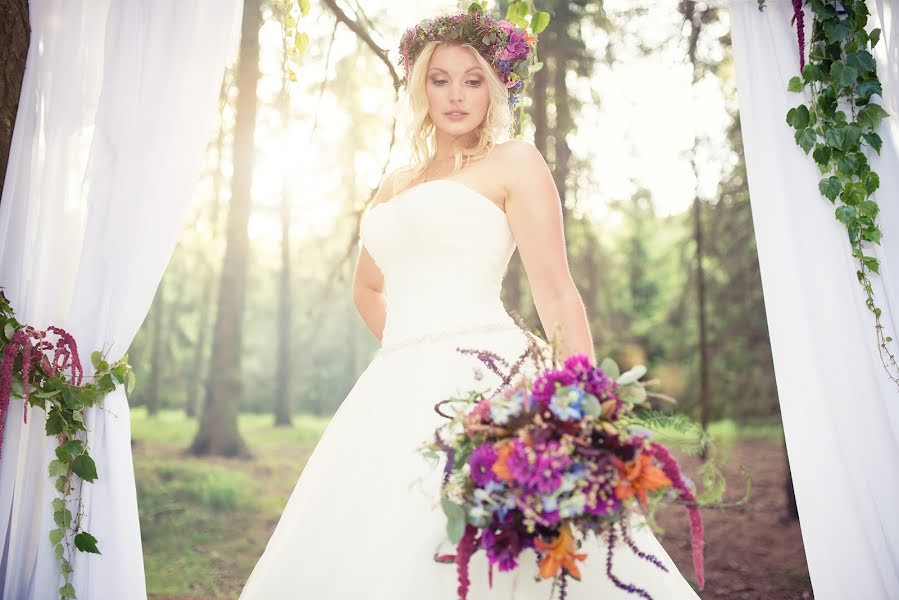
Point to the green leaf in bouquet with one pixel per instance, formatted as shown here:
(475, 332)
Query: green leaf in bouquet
(591, 405)
(632, 376)
(713, 482)
(96, 357)
(610, 367)
(57, 468)
(455, 519)
(633, 393)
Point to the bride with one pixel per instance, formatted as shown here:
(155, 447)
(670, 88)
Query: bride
(364, 520)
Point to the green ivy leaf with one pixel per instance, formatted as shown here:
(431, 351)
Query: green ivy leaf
(871, 181)
(871, 263)
(8, 330)
(69, 449)
(806, 138)
(62, 518)
(798, 117)
(130, 381)
(60, 484)
(539, 21)
(845, 214)
(86, 543)
(873, 140)
(822, 155)
(834, 137)
(868, 208)
(853, 193)
(56, 535)
(874, 36)
(59, 550)
(795, 85)
(836, 30)
(867, 88)
(96, 357)
(862, 61)
(66, 591)
(85, 468)
(871, 116)
(830, 187)
(55, 423)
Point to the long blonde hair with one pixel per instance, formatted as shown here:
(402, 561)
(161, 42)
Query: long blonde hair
(496, 126)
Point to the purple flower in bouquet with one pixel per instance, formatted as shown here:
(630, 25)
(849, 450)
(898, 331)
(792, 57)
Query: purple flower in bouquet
(504, 541)
(481, 461)
(541, 470)
(545, 386)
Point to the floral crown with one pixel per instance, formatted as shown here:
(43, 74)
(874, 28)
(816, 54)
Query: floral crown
(511, 51)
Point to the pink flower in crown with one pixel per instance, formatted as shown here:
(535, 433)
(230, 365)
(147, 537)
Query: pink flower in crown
(506, 25)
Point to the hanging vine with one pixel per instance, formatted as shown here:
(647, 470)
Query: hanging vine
(838, 123)
(57, 386)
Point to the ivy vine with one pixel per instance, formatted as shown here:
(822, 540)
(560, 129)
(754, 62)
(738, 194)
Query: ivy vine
(838, 123)
(28, 372)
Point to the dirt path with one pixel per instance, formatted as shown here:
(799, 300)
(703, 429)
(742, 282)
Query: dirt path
(752, 553)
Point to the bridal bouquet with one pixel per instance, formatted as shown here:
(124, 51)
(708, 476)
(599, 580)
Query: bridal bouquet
(549, 453)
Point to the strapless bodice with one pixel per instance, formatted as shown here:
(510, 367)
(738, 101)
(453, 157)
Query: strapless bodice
(443, 249)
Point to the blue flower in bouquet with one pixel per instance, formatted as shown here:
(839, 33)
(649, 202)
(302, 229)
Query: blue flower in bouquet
(505, 406)
(592, 379)
(487, 500)
(482, 461)
(572, 506)
(545, 385)
(568, 403)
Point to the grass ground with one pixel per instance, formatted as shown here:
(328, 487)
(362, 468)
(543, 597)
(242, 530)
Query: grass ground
(205, 522)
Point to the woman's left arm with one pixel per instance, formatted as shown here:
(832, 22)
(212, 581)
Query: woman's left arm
(535, 216)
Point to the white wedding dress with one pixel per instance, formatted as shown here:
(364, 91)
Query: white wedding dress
(364, 520)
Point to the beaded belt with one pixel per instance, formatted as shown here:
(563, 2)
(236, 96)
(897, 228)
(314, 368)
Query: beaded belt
(441, 335)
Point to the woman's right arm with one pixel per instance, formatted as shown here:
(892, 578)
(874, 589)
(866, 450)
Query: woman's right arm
(368, 281)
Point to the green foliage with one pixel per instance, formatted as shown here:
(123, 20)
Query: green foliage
(841, 75)
(65, 402)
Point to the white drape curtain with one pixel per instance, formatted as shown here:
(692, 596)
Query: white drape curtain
(840, 411)
(118, 102)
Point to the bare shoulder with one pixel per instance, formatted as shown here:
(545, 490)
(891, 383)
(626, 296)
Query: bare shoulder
(386, 188)
(522, 166)
(520, 152)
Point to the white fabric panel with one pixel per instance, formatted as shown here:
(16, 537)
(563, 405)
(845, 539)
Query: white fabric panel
(840, 410)
(118, 103)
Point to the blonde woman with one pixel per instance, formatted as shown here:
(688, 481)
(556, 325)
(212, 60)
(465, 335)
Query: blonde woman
(364, 520)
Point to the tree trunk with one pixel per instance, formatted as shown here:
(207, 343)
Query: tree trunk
(285, 327)
(15, 29)
(158, 323)
(218, 433)
(192, 408)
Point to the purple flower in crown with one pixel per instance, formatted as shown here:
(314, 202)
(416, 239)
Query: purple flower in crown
(482, 460)
(516, 47)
